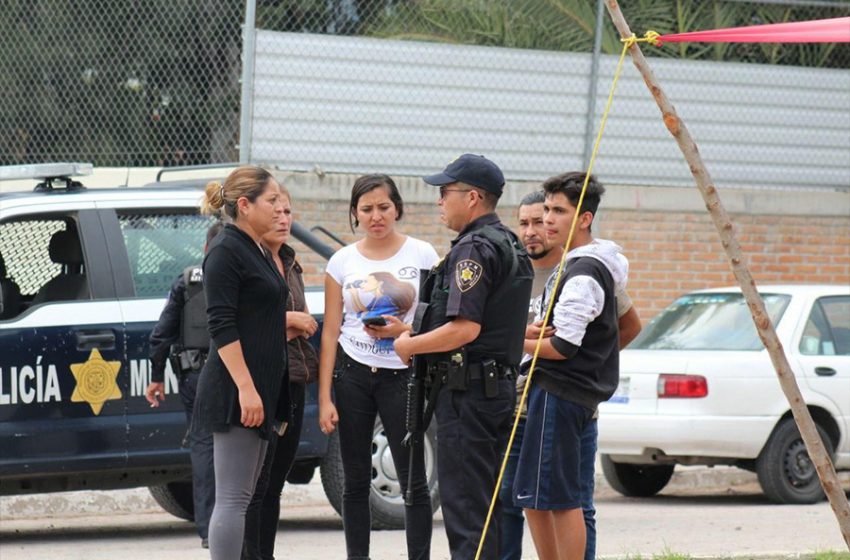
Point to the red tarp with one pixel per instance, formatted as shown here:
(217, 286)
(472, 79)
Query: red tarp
(835, 30)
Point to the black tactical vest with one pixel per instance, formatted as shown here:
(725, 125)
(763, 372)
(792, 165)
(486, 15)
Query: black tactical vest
(431, 312)
(506, 312)
(193, 323)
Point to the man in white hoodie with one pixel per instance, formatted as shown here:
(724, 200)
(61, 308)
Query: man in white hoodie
(545, 257)
(577, 368)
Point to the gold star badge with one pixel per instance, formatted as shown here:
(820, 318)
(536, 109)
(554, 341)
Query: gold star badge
(96, 381)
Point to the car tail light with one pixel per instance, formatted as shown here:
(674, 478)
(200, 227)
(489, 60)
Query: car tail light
(675, 386)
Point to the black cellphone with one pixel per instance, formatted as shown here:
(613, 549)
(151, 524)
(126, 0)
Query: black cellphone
(374, 321)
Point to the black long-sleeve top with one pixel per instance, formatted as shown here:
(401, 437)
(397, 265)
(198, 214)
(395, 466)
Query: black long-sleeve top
(166, 332)
(246, 301)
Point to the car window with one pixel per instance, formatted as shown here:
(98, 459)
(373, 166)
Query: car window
(708, 322)
(827, 331)
(160, 246)
(42, 262)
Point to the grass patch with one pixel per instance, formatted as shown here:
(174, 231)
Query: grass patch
(830, 555)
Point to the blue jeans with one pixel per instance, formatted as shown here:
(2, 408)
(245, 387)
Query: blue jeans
(589, 438)
(512, 520)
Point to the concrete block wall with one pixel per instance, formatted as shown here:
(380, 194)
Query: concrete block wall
(668, 236)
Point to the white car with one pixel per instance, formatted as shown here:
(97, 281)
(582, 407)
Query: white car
(697, 387)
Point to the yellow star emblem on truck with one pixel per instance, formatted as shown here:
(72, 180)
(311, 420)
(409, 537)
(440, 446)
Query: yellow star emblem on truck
(97, 381)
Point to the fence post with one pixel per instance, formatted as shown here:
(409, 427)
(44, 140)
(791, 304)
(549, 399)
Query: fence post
(590, 127)
(246, 112)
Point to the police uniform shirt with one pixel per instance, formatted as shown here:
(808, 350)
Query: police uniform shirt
(473, 268)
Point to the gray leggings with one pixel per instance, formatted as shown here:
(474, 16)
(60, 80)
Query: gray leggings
(238, 457)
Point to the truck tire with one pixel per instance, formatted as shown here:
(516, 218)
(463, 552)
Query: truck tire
(385, 499)
(301, 473)
(636, 481)
(175, 498)
(785, 472)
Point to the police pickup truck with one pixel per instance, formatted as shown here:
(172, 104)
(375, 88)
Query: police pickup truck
(83, 277)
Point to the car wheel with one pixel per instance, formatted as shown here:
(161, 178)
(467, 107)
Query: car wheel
(785, 472)
(175, 498)
(636, 481)
(385, 500)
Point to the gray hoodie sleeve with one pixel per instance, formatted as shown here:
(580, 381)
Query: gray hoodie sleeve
(581, 301)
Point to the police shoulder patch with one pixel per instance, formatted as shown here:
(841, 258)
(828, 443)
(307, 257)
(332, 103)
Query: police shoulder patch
(467, 274)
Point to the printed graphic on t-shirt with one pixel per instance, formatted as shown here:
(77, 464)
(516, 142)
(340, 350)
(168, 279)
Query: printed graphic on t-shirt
(381, 293)
(533, 306)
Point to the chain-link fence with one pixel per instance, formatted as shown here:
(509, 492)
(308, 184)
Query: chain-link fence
(157, 83)
(562, 25)
(127, 83)
(403, 87)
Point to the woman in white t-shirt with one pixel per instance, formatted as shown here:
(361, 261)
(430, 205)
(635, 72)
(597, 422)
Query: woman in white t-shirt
(372, 281)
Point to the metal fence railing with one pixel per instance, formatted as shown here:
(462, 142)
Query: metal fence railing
(157, 83)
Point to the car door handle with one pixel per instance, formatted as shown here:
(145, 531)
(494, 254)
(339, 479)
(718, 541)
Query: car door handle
(87, 340)
(824, 371)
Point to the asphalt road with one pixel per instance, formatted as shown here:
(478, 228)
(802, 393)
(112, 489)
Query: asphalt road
(703, 512)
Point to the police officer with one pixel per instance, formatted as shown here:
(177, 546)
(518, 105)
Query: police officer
(471, 338)
(181, 337)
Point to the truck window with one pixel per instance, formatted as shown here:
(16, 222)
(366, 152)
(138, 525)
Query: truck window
(41, 261)
(160, 246)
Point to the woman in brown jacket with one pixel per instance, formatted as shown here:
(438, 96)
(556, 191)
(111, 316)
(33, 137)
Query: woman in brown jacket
(264, 512)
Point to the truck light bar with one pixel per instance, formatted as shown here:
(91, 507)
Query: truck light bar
(44, 171)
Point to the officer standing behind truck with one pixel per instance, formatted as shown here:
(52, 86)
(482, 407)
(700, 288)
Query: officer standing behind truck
(471, 338)
(181, 336)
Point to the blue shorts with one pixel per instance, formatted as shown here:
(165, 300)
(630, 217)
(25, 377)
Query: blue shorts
(547, 475)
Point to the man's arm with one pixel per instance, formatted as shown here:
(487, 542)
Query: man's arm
(547, 351)
(630, 326)
(454, 334)
(580, 302)
(165, 333)
(167, 330)
(471, 272)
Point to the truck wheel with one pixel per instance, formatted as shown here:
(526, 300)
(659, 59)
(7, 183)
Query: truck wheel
(785, 472)
(636, 481)
(385, 499)
(175, 498)
(330, 471)
(301, 473)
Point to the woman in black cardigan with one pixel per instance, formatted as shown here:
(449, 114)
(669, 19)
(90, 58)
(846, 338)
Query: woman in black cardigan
(243, 389)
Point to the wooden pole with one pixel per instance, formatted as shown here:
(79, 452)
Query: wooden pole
(767, 332)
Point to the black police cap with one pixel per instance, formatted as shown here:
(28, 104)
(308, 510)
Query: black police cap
(471, 169)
